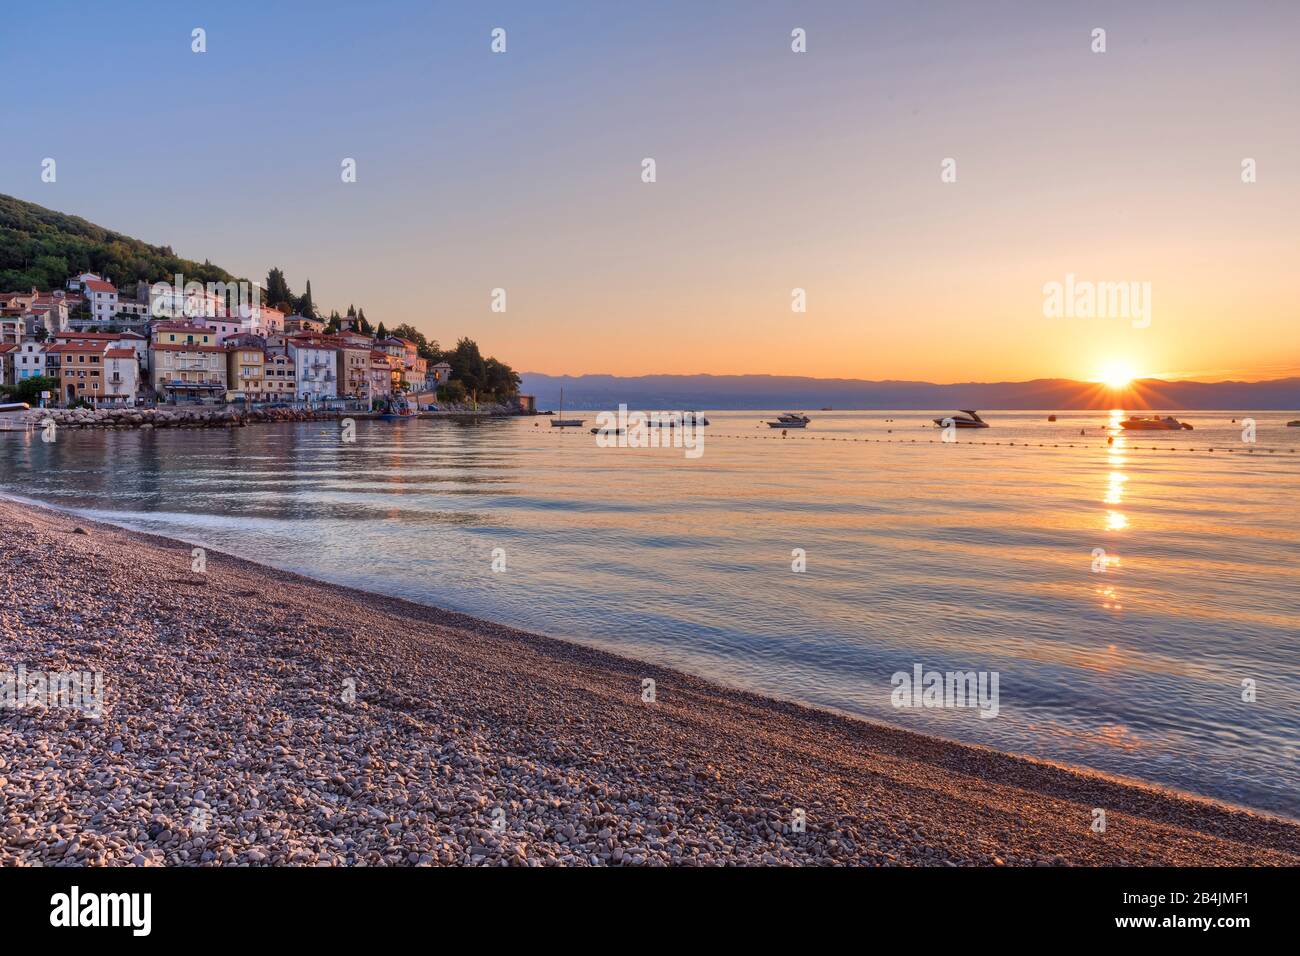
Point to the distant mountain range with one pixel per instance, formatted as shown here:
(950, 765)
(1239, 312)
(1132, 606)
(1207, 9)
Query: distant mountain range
(798, 393)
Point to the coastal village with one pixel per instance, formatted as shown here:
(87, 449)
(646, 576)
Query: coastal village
(87, 346)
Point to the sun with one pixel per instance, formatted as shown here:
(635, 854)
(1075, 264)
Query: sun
(1117, 374)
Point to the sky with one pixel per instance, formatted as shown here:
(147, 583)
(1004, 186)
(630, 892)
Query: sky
(774, 171)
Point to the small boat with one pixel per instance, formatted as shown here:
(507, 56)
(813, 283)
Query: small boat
(561, 421)
(612, 430)
(779, 423)
(1154, 424)
(1294, 424)
(1051, 418)
(397, 410)
(789, 417)
(969, 418)
(827, 408)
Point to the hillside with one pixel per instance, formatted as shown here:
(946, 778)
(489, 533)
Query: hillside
(42, 248)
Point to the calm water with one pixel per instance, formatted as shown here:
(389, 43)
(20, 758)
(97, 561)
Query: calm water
(967, 556)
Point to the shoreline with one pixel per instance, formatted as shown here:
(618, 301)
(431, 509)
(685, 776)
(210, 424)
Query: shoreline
(472, 742)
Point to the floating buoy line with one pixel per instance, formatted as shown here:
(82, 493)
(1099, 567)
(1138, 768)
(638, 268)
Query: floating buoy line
(1012, 444)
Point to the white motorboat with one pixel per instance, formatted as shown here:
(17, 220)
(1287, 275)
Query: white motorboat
(1167, 424)
(969, 418)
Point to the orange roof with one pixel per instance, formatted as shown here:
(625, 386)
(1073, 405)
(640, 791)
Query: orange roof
(95, 347)
(120, 353)
(95, 285)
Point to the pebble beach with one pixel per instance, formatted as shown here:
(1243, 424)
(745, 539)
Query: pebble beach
(255, 717)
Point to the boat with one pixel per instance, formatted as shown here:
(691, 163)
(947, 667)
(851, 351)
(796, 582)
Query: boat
(791, 417)
(561, 421)
(969, 418)
(16, 417)
(1051, 418)
(1294, 424)
(794, 423)
(397, 410)
(1154, 424)
(827, 408)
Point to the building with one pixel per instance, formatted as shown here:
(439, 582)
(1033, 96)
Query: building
(121, 376)
(7, 363)
(245, 369)
(278, 380)
(186, 363)
(48, 311)
(101, 298)
(300, 323)
(77, 369)
(263, 320)
(226, 327)
(412, 367)
(12, 327)
(315, 367)
(438, 374)
(384, 376)
(27, 360)
(138, 343)
(16, 301)
(354, 369)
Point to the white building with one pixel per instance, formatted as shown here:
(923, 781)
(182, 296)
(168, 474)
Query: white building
(226, 327)
(137, 343)
(101, 297)
(28, 361)
(121, 376)
(315, 367)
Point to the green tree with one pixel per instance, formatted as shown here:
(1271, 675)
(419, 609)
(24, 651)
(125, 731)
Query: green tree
(305, 305)
(502, 380)
(381, 332)
(452, 392)
(29, 389)
(278, 295)
(467, 364)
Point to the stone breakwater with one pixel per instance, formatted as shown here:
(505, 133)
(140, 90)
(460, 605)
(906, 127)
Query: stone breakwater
(225, 416)
(254, 717)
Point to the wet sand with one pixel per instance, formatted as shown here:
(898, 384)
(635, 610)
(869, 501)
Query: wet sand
(229, 736)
